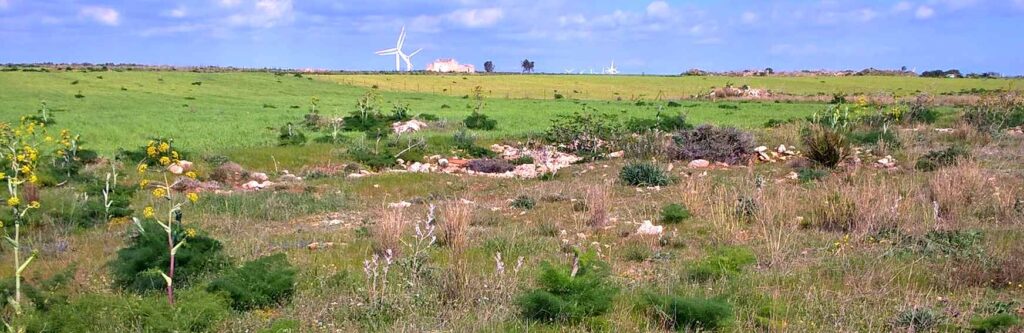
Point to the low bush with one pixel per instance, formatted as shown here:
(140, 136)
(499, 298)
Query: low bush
(674, 213)
(589, 134)
(523, 202)
(835, 213)
(261, 283)
(137, 267)
(376, 160)
(936, 159)
(290, 136)
(722, 262)
(688, 313)
(995, 113)
(746, 208)
(1000, 322)
(825, 146)
(881, 139)
(480, 121)
(490, 165)
(807, 175)
(665, 123)
(194, 311)
(644, 174)
(717, 144)
(917, 320)
(567, 297)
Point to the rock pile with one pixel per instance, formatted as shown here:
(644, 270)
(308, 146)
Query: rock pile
(781, 153)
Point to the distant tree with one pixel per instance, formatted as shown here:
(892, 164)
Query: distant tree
(903, 69)
(769, 71)
(527, 66)
(489, 66)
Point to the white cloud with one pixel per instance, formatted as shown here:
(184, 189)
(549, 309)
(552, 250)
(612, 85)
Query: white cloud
(475, 18)
(578, 19)
(103, 15)
(749, 17)
(229, 3)
(902, 6)
(264, 14)
(866, 14)
(659, 9)
(179, 12)
(924, 12)
(4, 4)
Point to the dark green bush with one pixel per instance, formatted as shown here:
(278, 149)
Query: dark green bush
(137, 267)
(746, 208)
(373, 159)
(917, 320)
(725, 261)
(566, 298)
(716, 144)
(660, 122)
(688, 313)
(879, 138)
(936, 159)
(290, 136)
(1001, 322)
(260, 283)
(480, 121)
(644, 174)
(194, 311)
(674, 213)
(825, 146)
(428, 117)
(589, 134)
(523, 202)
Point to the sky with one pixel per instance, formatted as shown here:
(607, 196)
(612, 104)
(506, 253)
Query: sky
(653, 37)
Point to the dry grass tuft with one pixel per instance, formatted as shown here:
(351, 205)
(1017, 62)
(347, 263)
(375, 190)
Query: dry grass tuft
(958, 190)
(455, 225)
(597, 199)
(387, 232)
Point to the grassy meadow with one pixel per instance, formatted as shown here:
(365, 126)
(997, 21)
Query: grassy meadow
(629, 87)
(929, 243)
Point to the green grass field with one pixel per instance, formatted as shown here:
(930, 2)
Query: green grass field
(603, 87)
(239, 110)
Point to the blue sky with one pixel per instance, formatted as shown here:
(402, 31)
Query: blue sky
(666, 37)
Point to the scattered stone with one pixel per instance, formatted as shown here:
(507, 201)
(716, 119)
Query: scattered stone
(175, 169)
(648, 228)
(259, 177)
(793, 175)
(1015, 131)
(696, 164)
(318, 245)
(408, 126)
(400, 204)
(253, 185)
(289, 177)
(617, 154)
(887, 162)
(186, 184)
(945, 130)
(229, 173)
(761, 149)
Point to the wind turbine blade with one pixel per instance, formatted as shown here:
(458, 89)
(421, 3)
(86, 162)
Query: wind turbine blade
(386, 52)
(401, 38)
(415, 52)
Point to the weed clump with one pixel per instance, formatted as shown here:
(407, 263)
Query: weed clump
(138, 267)
(644, 174)
(718, 144)
(260, 283)
(523, 202)
(674, 213)
(936, 159)
(570, 295)
(290, 136)
(490, 165)
(1000, 322)
(688, 313)
(589, 134)
(917, 320)
(726, 261)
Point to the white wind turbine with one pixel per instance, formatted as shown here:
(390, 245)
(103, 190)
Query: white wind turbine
(611, 70)
(399, 55)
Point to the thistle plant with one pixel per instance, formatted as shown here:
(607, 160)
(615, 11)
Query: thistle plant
(163, 196)
(19, 156)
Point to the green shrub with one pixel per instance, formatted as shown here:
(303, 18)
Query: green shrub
(373, 159)
(523, 202)
(953, 243)
(290, 136)
(137, 267)
(1001, 322)
(674, 213)
(995, 113)
(644, 174)
(917, 320)
(807, 175)
(525, 159)
(95, 210)
(589, 134)
(746, 208)
(824, 145)
(878, 138)
(659, 122)
(637, 250)
(936, 159)
(260, 283)
(716, 144)
(480, 121)
(566, 298)
(725, 261)
(688, 313)
(427, 117)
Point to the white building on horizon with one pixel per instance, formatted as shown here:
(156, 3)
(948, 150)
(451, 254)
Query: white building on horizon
(450, 66)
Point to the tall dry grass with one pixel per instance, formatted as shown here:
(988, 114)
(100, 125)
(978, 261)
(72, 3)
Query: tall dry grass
(387, 232)
(455, 219)
(598, 200)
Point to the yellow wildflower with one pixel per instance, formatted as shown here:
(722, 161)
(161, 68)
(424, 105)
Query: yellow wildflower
(164, 147)
(193, 197)
(26, 169)
(148, 212)
(33, 204)
(143, 183)
(13, 201)
(191, 174)
(165, 160)
(190, 232)
(33, 179)
(174, 154)
(151, 151)
(142, 168)
(3, 176)
(159, 192)
(48, 139)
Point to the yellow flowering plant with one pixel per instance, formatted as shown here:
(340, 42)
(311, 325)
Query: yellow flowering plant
(159, 182)
(20, 148)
